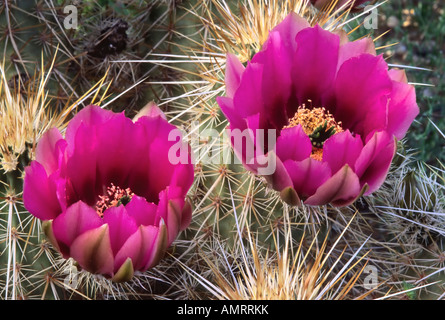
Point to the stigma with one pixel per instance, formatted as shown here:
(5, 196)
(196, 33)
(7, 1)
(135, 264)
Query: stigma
(318, 124)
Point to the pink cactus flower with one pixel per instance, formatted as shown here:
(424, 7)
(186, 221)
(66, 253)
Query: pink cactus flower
(346, 4)
(107, 192)
(336, 108)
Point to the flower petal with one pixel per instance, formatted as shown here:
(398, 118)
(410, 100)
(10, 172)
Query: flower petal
(348, 49)
(147, 243)
(293, 144)
(160, 245)
(289, 28)
(152, 125)
(313, 70)
(398, 75)
(248, 99)
(77, 219)
(276, 83)
(307, 175)
(142, 211)
(161, 170)
(342, 148)
(375, 159)
(234, 70)
(361, 90)
(243, 142)
(89, 116)
(170, 210)
(402, 109)
(233, 116)
(82, 165)
(116, 153)
(280, 178)
(50, 149)
(354, 49)
(136, 248)
(183, 177)
(152, 171)
(121, 226)
(92, 250)
(150, 110)
(39, 192)
(341, 189)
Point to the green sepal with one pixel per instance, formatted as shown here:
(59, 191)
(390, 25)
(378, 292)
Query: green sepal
(290, 196)
(125, 272)
(47, 227)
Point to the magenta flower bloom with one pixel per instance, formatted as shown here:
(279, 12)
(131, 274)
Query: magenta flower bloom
(336, 110)
(319, 4)
(109, 195)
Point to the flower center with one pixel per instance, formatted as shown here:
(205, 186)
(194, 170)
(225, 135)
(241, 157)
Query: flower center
(114, 197)
(318, 124)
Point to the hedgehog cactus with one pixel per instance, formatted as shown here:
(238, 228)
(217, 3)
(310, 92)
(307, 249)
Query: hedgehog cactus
(228, 50)
(122, 219)
(74, 66)
(247, 232)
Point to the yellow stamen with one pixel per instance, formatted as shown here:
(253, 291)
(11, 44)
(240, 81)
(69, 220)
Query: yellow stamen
(317, 153)
(115, 196)
(312, 119)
